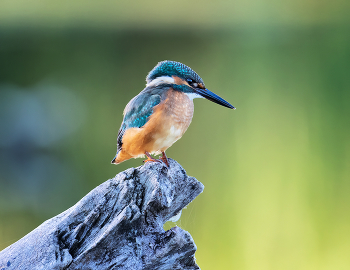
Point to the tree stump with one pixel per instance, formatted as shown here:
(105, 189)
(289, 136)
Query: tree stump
(118, 225)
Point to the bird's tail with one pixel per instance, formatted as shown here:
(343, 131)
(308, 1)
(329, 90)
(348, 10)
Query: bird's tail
(120, 157)
(114, 160)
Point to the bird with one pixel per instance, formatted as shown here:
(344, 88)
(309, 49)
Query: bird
(161, 113)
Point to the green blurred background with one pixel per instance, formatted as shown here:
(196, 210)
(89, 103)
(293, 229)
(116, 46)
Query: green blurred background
(276, 171)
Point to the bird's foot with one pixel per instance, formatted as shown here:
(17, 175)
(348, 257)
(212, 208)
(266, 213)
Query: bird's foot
(150, 158)
(164, 159)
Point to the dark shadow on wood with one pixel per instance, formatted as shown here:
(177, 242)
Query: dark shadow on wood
(118, 225)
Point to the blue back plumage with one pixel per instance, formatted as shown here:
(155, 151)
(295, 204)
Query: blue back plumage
(137, 112)
(140, 108)
(170, 68)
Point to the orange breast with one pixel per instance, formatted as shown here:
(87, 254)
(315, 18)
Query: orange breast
(167, 124)
(174, 120)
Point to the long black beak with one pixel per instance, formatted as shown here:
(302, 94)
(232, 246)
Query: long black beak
(213, 97)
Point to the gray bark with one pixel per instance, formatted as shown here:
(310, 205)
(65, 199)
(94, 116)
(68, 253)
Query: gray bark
(118, 225)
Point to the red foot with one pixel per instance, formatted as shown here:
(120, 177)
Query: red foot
(150, 158)
(164, 159)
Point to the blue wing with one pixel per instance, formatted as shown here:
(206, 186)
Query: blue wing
(136, 114)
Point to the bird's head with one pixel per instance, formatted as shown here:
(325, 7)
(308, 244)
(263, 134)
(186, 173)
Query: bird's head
(182, 78)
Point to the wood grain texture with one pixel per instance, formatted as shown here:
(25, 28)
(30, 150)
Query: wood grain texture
(118, 225)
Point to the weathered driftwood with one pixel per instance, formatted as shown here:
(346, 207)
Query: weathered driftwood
(118, 225)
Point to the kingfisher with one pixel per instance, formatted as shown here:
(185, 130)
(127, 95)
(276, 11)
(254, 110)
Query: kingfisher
(161, 113)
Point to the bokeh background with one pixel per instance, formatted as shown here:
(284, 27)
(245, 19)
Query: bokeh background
(276, 171)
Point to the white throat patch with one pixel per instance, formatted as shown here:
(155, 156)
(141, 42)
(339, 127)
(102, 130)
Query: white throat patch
(161, 80)
(192, 96)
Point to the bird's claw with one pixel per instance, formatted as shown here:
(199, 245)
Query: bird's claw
(163, 159)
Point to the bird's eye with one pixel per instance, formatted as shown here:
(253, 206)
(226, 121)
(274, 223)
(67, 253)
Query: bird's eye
(192, 83)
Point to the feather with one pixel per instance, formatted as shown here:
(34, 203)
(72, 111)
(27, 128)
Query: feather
(136, 113)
